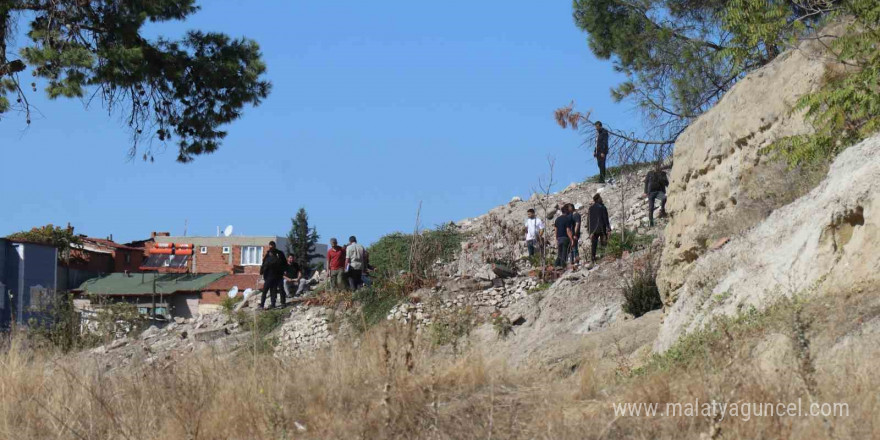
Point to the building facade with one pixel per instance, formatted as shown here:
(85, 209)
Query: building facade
(28, 280)
(235, 254)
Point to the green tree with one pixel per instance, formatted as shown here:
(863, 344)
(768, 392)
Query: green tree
(301, 239)
(680, 56)
(62, 239)
(168, 92)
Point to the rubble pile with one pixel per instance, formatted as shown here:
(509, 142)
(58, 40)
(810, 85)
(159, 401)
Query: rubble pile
(307, 330)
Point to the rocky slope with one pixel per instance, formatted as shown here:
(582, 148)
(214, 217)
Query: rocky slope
(825, 241)
(721, 183)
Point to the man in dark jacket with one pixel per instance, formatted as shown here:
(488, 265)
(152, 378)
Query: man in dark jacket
(601, 152)
(655, 188)
(272, 270)
(564, 236)
(599, 225)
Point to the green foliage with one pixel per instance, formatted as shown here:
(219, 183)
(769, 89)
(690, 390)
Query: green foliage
(449, 326)
(376, 303)
(620, 169)
(717, 336)
(640, 292)
(60, 238)
(680, 56)
(228, 304)
(168, 91)
(301, 239)
(540, 287)
(502, 325)
(630, 241)
(847, 108)
(59, 326)
(394, 253)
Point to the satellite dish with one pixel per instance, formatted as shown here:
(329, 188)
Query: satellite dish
(247, 293)
(233, 291)
(228, 231)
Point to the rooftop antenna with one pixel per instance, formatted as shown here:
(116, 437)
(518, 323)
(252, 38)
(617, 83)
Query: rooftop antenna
(228, 231)
(185, 224)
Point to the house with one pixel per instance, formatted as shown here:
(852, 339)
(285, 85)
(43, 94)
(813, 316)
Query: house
(163, 294)
(28, 280)
(98, 256)
(234, 254)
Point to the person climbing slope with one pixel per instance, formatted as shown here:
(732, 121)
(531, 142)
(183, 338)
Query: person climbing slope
(655, 188)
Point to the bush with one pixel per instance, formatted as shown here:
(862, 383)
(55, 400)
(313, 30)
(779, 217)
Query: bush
(376, 303)
(630, 242)
(618, 170)
(502, 325)
(640, 291)
(391, 254)
(228, 304)
(60, 326)
(451, 325)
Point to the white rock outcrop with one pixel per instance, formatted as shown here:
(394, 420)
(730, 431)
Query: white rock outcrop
(824, 241)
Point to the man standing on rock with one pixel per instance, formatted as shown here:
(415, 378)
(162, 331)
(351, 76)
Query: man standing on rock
(575, 234)
(598, 225)
(355, 256)
(601, 152)
(655, 188)
(564, 236)
(272, 271)
(534, 232)
(336, 265)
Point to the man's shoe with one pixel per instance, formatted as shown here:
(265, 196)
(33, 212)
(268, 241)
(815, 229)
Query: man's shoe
(662, 214)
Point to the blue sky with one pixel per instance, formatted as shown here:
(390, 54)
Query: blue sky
(375, 107)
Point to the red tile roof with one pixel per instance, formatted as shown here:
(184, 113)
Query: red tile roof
(242, 280)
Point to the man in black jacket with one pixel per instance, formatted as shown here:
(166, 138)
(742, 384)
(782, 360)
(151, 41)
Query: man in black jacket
(599, 225)
(601, 151)
(655, 188)
(272, 270)
(564, 236)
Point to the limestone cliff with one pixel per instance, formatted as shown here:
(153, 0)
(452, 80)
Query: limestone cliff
(785, 236)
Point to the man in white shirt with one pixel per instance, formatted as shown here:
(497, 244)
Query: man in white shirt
(534, 232)
(355, 258)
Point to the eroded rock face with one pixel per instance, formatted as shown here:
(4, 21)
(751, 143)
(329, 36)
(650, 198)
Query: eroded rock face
(825, 241)
(720, 182)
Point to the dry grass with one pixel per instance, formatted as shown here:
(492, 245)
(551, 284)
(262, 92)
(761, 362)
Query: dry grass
(393, 385)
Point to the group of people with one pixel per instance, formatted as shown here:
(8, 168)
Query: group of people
(285, 278)
(569, 226)
(282, 276)
(347, 266)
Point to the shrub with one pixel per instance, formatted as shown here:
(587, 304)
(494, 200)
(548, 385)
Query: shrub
(60, 325)
(640, 291)
(451, 325)
(228, 304)
(502, 325)
(630, 242)
(376, 303)
(394, 253)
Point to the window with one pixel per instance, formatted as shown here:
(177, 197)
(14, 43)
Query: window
(251, 255)
(127, 258)
(203, 249)
(226, 249)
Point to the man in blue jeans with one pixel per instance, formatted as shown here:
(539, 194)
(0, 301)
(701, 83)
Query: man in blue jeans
(564, 237)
